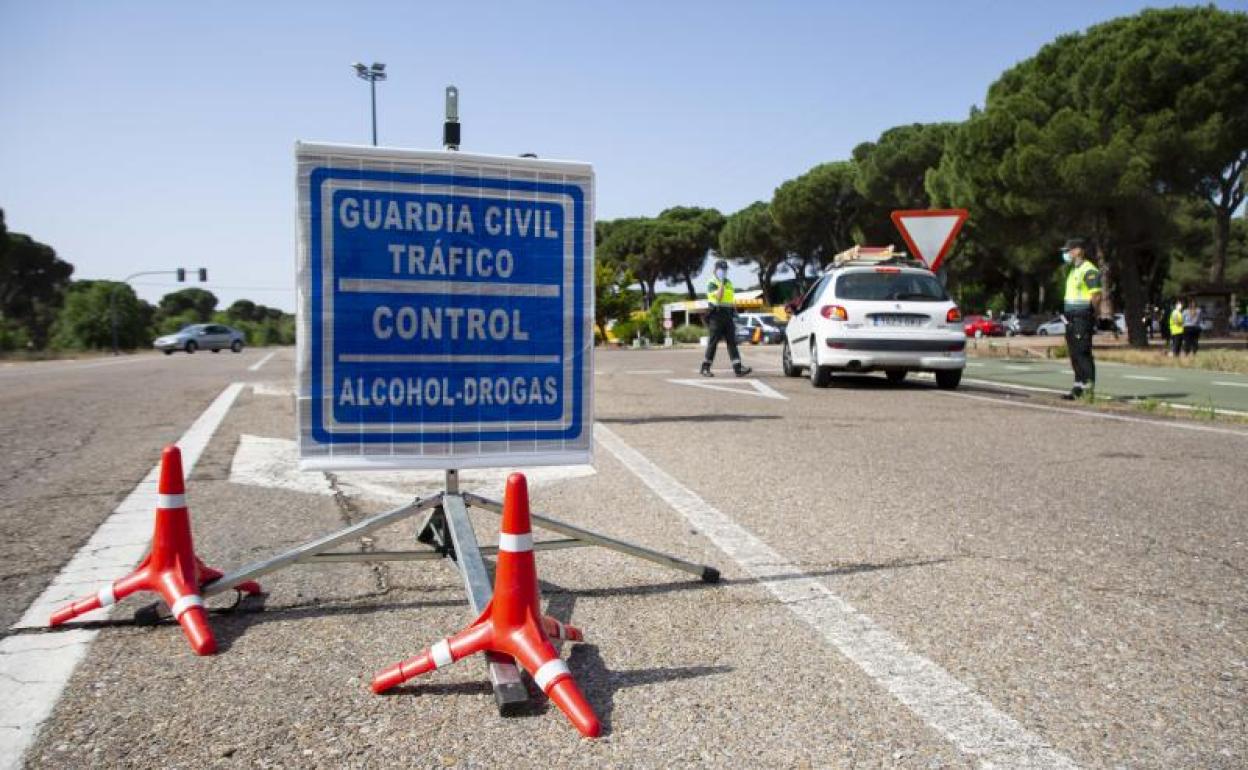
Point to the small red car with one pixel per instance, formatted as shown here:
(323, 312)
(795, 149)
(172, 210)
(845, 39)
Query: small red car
(979, 326)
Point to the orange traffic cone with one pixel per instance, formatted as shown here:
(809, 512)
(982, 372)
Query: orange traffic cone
(512, 623)
(171, 568)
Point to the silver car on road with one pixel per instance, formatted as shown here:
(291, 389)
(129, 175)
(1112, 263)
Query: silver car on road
(214, 337)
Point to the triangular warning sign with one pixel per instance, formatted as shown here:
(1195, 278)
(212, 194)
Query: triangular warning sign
(930, 232)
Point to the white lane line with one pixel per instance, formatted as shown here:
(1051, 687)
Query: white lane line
(1231, 384)
(648, 371)
(1145, 377)
(1103, 415)
(964, 717)
(256, 366)
(36, 667)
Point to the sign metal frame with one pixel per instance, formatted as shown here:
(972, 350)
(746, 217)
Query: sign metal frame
(435, 434)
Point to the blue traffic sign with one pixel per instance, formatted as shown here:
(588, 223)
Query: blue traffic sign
(445, 309)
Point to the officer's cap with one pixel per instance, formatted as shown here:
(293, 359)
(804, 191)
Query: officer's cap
(1075, 243)
(721, 264)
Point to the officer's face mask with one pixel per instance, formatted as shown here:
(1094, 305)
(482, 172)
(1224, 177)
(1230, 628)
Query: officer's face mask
(721, 274)
(1066, 257)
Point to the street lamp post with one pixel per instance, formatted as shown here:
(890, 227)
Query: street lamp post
(372, 75)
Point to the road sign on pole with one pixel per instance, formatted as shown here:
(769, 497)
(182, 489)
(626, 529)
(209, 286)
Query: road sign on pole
(930, 232)
(445, 309)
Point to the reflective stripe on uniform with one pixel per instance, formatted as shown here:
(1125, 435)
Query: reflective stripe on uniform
(171, 501)
(441, 653)
(185, 603)
(549, 672)
(515, 543)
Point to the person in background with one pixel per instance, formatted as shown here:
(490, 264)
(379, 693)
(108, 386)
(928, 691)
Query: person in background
(1192, 316)
(720, 321)
(1083, 295)
(1175, 326)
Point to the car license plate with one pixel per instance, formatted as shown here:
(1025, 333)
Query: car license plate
(886, 319)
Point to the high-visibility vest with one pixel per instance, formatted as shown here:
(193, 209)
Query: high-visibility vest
(1081, 281)
(1176, 322)
(712, 289)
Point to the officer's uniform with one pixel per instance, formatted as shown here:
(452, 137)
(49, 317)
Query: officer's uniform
(1081, 282)
(1176, 332)
(720, 324)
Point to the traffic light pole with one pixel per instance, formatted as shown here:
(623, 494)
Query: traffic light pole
(112, 296)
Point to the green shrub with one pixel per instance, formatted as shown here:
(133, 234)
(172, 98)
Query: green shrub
(1059, 351)
(688, 333)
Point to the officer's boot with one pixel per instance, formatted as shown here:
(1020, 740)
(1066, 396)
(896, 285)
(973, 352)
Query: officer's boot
(705, 371)
(740, 369)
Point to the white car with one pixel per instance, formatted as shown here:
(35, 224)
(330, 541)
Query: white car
(1054, 327)
(872, 317)
(771, 329)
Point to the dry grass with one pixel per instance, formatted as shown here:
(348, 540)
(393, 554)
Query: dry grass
(1210, 360)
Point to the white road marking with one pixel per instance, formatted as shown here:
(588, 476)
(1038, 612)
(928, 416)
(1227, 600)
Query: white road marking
(273, 389)
(964, 717)
(256, 366)
(740, 387)
(1103, 415)
(975, 363)
(1145, 377)
(37, 667)
(1231, 384)
(648, 371)
(261, 461)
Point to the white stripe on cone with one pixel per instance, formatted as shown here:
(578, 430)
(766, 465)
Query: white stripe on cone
(515, 543)
(185, 603)
(106, 596)
(441, 653)
(549, 672)
(171, 501)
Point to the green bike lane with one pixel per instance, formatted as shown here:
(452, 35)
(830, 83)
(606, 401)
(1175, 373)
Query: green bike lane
(1186, 387)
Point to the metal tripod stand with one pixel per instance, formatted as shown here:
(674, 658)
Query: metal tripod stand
(447, 529)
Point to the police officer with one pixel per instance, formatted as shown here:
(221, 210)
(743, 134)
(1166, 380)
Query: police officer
(1083, 294)
(721, 311)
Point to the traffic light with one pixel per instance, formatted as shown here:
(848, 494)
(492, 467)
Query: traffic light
(203, 275)
(181, 275)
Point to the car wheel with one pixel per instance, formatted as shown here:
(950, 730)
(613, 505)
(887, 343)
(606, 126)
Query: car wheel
(168, 352)
(895, 376)
(786, 362)
(820, 376)
(191, 347)
(236, 346)
(948, 379)
(215, 350)
(1042, 332)
(979, 333)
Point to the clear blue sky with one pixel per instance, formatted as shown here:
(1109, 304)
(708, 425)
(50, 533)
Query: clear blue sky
(148, 135)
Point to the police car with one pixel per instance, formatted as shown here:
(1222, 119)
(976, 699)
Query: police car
(874, 310)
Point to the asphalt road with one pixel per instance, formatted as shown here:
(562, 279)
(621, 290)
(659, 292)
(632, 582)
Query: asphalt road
(1191, 387)
(911, 578)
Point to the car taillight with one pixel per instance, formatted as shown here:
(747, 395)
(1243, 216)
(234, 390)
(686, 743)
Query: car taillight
(834, 313)
(953, 316)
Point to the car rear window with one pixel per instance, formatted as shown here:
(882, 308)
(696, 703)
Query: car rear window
(891, 286)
